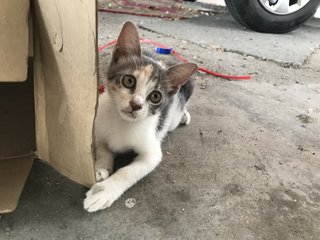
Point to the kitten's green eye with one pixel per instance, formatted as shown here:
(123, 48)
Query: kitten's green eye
(128, 81)
(155, 97)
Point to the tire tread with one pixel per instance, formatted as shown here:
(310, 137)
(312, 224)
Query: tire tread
(254, 19)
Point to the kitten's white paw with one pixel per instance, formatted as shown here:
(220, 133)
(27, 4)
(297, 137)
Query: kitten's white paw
(101, 174)
(186, 118)
(100, 196)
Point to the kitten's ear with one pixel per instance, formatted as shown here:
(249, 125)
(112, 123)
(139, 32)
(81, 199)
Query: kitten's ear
(128, 43)
(179, 74)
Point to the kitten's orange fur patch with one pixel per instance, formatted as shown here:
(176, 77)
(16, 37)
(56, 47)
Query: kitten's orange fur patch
(113, 88)
(143, 74)
(146, 71)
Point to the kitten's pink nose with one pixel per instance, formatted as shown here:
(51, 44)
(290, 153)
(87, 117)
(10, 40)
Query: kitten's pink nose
(135, 106)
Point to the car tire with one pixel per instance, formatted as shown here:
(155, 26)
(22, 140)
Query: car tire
(251, 14)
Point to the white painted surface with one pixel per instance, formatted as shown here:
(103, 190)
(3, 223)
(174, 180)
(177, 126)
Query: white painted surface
(214, 2)
(317, 15)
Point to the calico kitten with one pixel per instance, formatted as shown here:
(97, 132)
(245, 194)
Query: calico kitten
(143, 101)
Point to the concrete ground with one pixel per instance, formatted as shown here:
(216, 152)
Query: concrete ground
(246, 168)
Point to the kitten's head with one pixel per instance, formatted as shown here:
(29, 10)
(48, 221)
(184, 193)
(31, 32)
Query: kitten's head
(138, 85)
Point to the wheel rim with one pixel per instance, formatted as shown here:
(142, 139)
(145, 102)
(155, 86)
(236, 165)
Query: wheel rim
(283, 7)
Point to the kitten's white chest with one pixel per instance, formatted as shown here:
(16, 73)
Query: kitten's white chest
(119, 134)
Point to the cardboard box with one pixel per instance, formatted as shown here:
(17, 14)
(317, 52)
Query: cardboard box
(50, 115)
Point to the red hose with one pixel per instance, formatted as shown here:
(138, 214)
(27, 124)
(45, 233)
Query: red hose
(202, 69)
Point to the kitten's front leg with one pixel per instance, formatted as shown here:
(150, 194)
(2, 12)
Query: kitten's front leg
(104, 193)
(104, 162)
(186, 118)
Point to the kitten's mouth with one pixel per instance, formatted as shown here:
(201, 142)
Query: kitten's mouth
(129, 114)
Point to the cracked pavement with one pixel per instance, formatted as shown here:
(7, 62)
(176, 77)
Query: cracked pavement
(247, 167)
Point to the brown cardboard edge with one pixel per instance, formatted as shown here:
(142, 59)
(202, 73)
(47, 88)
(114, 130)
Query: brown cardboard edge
(93, 153)
(47, 143)
(14, 172)
(18, 72)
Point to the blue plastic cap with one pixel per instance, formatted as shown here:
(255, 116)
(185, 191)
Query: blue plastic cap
(164, 50)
